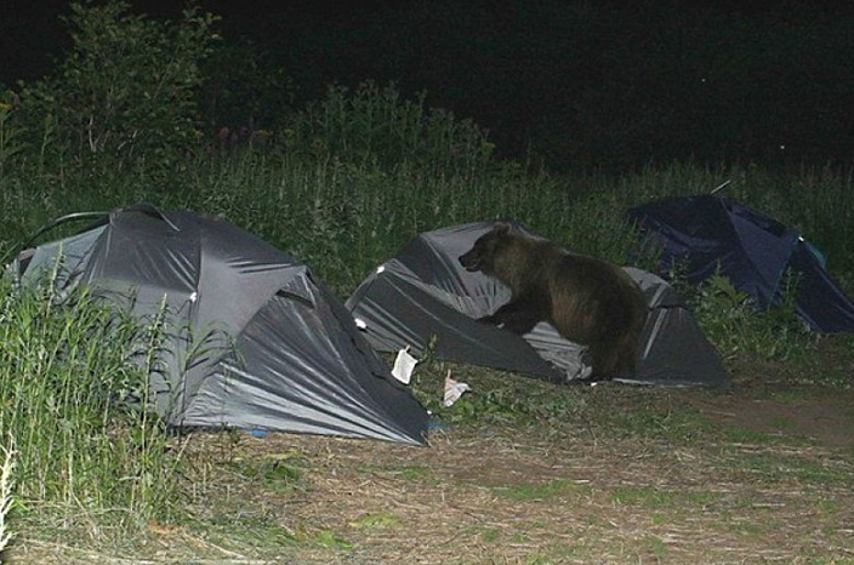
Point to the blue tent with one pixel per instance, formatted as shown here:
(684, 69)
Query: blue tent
(700, 234)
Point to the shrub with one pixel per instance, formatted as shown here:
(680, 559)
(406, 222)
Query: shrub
(376, 126)
(126, 92)
(731, 321)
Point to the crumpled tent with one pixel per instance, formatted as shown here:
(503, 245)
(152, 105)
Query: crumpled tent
(282, 353)
(423, 298)
(701, 234)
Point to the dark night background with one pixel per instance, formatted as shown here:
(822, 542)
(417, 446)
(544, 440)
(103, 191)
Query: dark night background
(562, 83)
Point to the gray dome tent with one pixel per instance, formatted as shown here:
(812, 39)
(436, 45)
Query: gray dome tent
(423, 294)
(282, 352)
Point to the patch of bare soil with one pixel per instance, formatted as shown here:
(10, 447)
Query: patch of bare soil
(825, 418)
(792, 399)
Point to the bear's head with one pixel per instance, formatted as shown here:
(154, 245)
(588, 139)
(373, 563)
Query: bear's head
(481, 257)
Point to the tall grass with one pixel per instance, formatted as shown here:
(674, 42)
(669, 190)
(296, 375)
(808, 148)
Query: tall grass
(361, 172)
(86, 462)
(344, 219)
(375, 125)
(7, 496)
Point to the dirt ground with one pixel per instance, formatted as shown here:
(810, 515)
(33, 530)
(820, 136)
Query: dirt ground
(753, 474)
(778, 491)
(826, 417)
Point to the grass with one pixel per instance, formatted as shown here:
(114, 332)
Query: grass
(357, 177)
(6, 492)
(80, 457)
(782, 467)
(381, 520)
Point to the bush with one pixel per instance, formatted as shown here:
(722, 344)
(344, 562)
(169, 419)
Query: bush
(732, 322)
(126, 92)
(375, 126)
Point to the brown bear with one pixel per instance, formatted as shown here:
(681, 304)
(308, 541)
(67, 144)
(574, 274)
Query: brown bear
(589, 301)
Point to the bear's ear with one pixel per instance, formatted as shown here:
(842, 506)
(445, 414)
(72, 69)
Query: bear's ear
(502, 228)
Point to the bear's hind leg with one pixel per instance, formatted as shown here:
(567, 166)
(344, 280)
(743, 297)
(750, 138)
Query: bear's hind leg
(604, 360)
(615, 358)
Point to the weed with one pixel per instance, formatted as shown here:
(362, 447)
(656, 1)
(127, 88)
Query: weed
(731, 321)
(668, 504)
(779, 467)
(381, 520)
(753, 437)
(647, 497)
(237, 530)
(659, 549)
(328, 539)
(784, 424)
(414, 472)
(271, 474)
(679, 424)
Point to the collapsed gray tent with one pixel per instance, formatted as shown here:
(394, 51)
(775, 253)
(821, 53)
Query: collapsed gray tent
(424, 296)
(282, 352)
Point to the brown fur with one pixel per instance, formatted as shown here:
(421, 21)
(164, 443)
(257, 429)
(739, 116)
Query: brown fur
(588, 300)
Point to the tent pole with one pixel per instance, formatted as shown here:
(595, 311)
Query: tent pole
(721, 186)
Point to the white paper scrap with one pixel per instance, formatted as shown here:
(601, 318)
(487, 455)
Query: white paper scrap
(453, 390)
(404, 364)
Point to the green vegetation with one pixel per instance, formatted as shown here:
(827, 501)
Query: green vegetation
(124, 97)
(731, 321)
(376, 521)
(84, 457)
(349, 180)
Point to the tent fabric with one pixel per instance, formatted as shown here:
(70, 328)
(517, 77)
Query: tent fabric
(700, 235)
(424, 299)
(254, 341)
